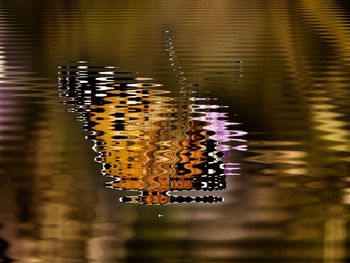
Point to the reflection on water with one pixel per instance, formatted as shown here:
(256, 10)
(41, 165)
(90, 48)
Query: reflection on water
(148, 141)
(282, 66)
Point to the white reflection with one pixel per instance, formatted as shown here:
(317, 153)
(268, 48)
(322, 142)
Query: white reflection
(2, 63)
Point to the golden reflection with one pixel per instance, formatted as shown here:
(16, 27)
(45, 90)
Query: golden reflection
(148, 141)
(326, 16)
(322, 89)
(275, 156)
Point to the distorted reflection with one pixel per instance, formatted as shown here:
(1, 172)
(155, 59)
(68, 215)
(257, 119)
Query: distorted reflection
(149, 140)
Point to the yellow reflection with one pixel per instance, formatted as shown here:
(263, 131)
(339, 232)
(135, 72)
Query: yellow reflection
(325, 14)
(324, 108)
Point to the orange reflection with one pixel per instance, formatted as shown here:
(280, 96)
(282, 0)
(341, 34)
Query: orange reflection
(148, 141)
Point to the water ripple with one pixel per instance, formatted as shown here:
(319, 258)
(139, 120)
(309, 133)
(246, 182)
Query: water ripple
(281, 66)
(148, 141)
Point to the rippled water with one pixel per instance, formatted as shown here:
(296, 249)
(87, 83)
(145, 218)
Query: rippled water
(231, 114)
(151, 143)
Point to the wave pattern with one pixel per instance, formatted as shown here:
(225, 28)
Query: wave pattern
(148, 141)
(281, 66)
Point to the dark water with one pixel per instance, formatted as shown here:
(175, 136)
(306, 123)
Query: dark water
(234, 115)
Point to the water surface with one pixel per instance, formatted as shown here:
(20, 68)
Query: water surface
(244, 102)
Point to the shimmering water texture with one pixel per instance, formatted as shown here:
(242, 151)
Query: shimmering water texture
(148, 141)
(247, 138)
